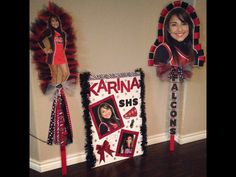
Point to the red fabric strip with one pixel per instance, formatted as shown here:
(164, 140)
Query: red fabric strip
(172, 142)
(201, 58)
(153, 48)
(176, 3)
(196, 21)
(164, 12)
(196, 35)
(67, 110)
(160, 38)
(198, 47)
(190, 9)
(63, 160)
(150, 62)
(160, 26)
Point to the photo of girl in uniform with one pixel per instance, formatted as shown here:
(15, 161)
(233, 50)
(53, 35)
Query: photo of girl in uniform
(53, 42)
(127, 143)
(177, 48)
(106, 116)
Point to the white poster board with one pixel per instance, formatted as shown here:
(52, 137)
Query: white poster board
(117, 127)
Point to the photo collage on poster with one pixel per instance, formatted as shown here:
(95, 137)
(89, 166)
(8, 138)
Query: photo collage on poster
(115, 108)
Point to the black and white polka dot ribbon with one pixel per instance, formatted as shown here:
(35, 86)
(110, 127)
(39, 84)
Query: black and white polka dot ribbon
(60, 123)
(176, 73)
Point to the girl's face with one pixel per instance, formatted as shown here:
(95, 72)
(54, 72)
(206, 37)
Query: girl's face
(106, 113)
(54, 22)
(178, 30)
(129, 140)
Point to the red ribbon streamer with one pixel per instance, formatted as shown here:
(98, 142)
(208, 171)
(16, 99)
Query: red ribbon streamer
(105, 147)
(59, 131)
(63, 159)
(172, 142)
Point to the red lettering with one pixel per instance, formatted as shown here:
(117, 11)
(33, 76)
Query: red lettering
(92, 89)
(102, 85)
(134, 83)
(116, 86)
(127, 88)
(112, 85)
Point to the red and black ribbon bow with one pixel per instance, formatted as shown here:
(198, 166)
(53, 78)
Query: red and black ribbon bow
(105, 147)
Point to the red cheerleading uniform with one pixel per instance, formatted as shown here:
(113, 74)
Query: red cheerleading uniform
(164, 61)
(59, 56)
(164, 48)
(57, 42)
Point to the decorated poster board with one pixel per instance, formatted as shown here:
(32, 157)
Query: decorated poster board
(114, 115)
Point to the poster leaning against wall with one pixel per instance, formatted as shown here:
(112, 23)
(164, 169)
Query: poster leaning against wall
(114, 116)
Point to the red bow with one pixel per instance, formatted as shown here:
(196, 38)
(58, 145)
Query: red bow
(102, 148)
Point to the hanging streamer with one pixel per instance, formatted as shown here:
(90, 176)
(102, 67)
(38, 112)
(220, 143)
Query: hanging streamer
(60, 129)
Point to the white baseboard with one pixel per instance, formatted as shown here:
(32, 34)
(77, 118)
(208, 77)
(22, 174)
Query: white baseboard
(159, 138)
(55, 163)
(183, 139)
(72, 159)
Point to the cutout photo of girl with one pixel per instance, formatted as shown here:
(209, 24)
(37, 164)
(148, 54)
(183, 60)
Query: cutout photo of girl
(108, 119)
(53, 43)
(106, 116)
(177, 49)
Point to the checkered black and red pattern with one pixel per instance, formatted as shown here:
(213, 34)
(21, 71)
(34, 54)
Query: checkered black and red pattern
(190, 10)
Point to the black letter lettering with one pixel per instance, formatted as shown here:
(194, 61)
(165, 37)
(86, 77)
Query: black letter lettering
(121, 103)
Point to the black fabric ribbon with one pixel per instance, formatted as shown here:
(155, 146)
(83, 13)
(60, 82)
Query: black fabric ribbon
(60, 129)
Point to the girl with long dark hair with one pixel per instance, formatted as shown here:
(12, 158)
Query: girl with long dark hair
(177, 49)
(127, 146)
(53, 43)
(108, 118)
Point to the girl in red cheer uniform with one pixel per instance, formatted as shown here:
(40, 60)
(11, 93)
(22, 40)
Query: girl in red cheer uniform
(53, 43)
(177, 49)
(109, 121)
